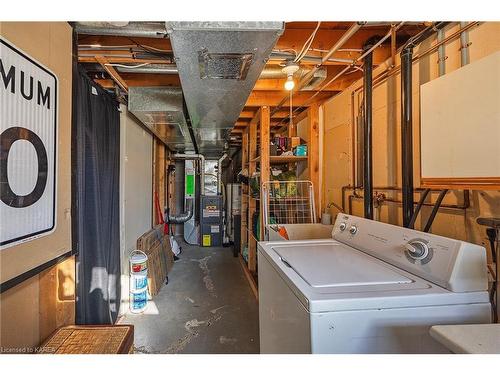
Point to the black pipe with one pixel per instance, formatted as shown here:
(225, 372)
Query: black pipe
(407, 118)
(406, 135)
(435, 210)
(189, 126)
(367, 133)
(419, 206)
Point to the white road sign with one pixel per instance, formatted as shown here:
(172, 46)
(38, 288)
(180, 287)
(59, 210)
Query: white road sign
(28, 139)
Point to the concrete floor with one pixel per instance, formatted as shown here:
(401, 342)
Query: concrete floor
(207, 307)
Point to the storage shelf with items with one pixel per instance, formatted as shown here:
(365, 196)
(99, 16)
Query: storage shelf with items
(265, 160)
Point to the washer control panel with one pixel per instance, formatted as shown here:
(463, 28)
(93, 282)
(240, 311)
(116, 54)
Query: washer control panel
(452, 264)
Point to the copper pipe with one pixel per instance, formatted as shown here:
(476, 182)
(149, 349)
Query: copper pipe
(465, 205)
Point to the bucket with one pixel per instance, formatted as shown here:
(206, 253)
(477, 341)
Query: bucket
(138, 261)
(138, 281)
(138, 301)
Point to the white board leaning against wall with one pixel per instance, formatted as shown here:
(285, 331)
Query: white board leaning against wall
(28, 139)
(460, 127)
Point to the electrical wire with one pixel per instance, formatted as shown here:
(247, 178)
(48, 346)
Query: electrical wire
(152, 50)
(307, 44)
(128, 66)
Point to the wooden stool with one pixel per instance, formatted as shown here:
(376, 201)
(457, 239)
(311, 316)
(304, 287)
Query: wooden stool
(91, 339)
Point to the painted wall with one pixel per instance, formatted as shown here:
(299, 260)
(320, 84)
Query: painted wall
(136, 190)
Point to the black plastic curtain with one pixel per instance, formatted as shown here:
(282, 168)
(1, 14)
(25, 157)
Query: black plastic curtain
(97, 132)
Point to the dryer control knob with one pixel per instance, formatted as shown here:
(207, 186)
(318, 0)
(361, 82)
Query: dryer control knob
(353, 229)
(342, 226)
(417, 249)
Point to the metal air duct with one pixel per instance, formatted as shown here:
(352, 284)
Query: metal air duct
(219, 63)
(161, 110)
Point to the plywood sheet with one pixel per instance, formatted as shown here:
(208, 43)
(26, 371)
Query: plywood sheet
(460, 122)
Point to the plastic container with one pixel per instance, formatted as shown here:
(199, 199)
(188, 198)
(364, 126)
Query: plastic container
(138, 301)
(138, 281)
(138, 261)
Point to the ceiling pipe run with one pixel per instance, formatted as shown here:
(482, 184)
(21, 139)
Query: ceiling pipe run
(347, 68)
(278, 55)
(270, 72)
(338, 45)
(128, 29)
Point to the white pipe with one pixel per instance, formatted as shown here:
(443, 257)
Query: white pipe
(441, 53)
(464, 45)
(219, 173)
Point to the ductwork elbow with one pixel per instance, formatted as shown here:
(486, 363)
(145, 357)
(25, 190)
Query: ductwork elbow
(184, 217)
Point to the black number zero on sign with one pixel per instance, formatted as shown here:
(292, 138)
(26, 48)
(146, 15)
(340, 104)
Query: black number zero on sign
(7, 139)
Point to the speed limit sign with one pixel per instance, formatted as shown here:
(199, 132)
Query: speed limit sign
(28, 140)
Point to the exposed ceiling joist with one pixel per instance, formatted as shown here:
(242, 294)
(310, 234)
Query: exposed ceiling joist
(112, 72)
(273, 98)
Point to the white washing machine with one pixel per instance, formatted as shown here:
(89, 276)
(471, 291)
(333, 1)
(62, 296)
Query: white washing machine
(372, 288)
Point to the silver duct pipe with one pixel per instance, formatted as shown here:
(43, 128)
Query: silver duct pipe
(130, 29)
(199, 157)
(186, 216)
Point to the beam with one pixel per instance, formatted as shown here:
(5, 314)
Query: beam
(273, 98)
(265, 120)
(112, 72)
(148, 80)
(313, 153)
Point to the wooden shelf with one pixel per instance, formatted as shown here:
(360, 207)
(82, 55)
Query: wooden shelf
(282, 159)
(260, 127)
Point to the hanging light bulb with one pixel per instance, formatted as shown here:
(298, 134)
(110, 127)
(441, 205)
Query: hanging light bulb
(290, 83)
(289, 70)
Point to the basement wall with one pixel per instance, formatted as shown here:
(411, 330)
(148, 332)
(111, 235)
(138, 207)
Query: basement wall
(32, 310)
(338, 153)
(136, 191)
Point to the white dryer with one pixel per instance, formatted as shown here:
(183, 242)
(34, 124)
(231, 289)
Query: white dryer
(372, 288)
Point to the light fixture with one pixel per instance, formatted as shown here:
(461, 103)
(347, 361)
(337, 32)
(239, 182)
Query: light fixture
(289, 84)
(289, 70)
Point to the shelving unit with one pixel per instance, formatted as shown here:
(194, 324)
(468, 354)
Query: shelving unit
(256, 155)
